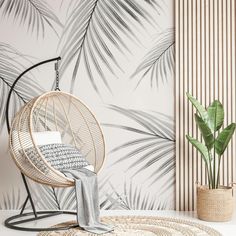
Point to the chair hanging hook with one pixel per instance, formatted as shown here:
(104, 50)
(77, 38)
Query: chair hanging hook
(57, 75)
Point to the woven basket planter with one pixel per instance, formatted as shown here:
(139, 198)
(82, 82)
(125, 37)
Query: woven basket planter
(215, 204)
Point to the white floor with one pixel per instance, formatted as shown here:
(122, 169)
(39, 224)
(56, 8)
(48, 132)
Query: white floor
(227, 229)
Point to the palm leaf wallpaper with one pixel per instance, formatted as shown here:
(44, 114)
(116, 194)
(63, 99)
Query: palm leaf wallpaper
(91, 27)
(32, 13)
(159, 61)
(117, 57)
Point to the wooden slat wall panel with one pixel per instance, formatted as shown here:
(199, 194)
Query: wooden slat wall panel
(205, 66)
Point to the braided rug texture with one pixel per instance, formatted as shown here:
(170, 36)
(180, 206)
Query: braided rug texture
(142, 226)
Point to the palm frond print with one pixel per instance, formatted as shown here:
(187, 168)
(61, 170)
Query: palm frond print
(133, 197)
(90, 31)
(154, 144)
(159, 61)
(11, 200)
(10, 68)
(35, 14)
(46, 197)
(96, 41)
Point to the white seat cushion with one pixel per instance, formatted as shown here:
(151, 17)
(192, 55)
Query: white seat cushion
(47, 137)
(41, 138)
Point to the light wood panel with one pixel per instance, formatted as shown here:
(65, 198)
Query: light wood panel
(205, 67)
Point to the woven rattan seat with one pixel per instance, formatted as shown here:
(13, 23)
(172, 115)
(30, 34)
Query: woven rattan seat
(55, 111)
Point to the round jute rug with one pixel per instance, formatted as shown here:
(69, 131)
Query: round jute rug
(142, 226)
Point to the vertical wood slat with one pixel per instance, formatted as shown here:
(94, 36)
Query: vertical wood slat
(229, 83)
(190, 121)
(205, 67)
(194, 87)
(185, 123)
(233, 75)
(177, 143)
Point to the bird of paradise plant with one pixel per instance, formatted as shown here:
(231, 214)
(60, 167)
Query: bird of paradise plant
(209, 121)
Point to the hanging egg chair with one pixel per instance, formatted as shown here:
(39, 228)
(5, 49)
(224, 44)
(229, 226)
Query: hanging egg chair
(54, 124)
(57, 117)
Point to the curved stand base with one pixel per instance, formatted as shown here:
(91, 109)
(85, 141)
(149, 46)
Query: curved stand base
(13, 222)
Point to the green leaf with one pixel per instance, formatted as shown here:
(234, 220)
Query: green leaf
(200, 147)
(206, 132)
(215, 114)
(201, 109)
(223, 138)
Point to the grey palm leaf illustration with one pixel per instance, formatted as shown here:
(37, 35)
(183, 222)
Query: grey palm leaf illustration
(53, 198)
(44, 196)
(133, 197)
(10, 68)
(11, 200)
(153, 144)
(59, 198)
(93, 28)
(33, 13)
(159, 62)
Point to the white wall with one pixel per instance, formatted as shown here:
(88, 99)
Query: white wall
(148, 44)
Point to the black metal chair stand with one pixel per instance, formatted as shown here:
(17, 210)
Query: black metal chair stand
(14, 222)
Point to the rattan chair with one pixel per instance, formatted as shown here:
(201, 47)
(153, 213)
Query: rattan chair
(53, 111)
(66, 114)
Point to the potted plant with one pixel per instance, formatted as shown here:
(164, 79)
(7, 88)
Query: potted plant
(214, 202)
